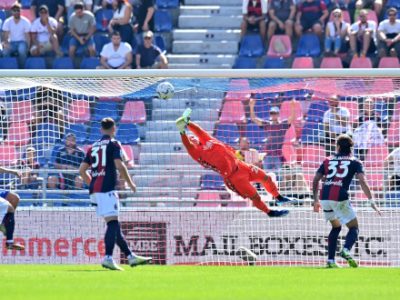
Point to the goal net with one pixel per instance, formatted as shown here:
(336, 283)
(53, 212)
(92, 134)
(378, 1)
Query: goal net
(285, 122)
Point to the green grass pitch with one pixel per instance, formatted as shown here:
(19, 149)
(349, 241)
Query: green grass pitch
(195, 282)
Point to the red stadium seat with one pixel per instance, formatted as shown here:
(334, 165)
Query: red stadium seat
(361, 62)
(79, 111)
(110, 99)
(352, 106)
(238, 90)
(8, 155)
(27, 13)
(303, 63)
(389, 62)
(208, 196)
(312, 155)
(134, 112)
(286, 108)
(393, 134)
(285, 42)
(345, 15)
(6, 4)
(372, 17)
(331, 63)
(376, 156)
(375, 180)
(289, 153)
(233, 112)
(22, 111)
(18, 134)
(129, 155)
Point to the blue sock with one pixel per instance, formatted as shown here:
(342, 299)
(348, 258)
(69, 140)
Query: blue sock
(332, 242)
(122, 243)
(351, 238)
(9, 224)
(110, 236)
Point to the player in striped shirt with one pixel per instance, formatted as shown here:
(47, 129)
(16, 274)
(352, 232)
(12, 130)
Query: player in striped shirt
(104, 158)
(338, 172)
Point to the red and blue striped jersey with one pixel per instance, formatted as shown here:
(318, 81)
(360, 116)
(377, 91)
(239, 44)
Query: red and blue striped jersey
(339, 172)
(100, 156)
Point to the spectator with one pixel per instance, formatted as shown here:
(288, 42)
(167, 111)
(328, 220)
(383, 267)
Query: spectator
(293, 183)
(276, 131)
(281, 14)
(392, 166)
(69, 157)
(56, 10)
(368, 113)
(336, 121)
(29, 179)
(16, 35)
(82, 27)
(121, 20)
(247, 154)
(4, 121)
(375, 5)
(52, 182)
(144, 13)
(149, 55)
(311, 15)
(254, 17)
(70, 5)
(336, 33)
(389, 35)
(44, 38)
(117, 54)
(362, 36)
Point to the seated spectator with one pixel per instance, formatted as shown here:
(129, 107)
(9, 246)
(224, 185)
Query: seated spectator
(117, 54)
(293, 183)
(56, 10)
(368, 113)
(254, 17)
(281, 14)
(70, 5)
(29, 179)
(392, 167)
(16, 35)
(375, 5)
(149, 55)
(276, 131)
(144, 13)
(389, 35)
(336, 33)
(362, 36)
(336, 121)
(121, 20)
(82, 26)
(79, 184)
(53, 182)
(247, 154)
(69, 157)
(44, 38)
(311, 15)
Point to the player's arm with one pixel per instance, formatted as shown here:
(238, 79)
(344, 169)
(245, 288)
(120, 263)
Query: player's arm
(365, 188)
(123, 171)
(83, 171)
(199, 132)
(253, 116)
(315, 188)
(9, 171)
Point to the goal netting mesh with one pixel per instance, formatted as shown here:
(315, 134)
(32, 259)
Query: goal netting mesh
(182, 213)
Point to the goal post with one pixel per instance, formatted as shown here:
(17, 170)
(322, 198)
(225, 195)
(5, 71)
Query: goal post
(183, 213)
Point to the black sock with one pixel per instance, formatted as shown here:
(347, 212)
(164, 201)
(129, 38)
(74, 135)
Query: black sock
(122, 243)
(9, 224)
(332, 242)
(110, 236)
(351, 238)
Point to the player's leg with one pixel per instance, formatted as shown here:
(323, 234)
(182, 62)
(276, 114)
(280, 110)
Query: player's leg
(7, 225)
(13, 198)
(329, 214)
(351, 238)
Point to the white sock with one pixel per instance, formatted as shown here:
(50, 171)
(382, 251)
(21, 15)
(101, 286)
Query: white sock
(10, 241)
(332, 261)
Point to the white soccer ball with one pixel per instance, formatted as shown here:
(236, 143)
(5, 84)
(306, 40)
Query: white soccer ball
(165, 90)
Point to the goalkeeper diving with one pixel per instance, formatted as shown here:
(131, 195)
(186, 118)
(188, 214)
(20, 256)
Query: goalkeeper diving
(238, 175)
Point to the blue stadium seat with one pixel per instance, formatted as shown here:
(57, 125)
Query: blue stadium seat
(65, 44)
(35, 63)
(105, 109)
(80, 131)
(128, 133)
(381, 109)
(274, 63)
(261, 108)
(312, 133)
(162, 21)
(46, 133)
(309, 45)
(227, 133)
(245, 63)
(392, 199)
(316, 111)
(100, 40)
(25, 3)
(167, 3)
(103, 17)
(90, 63)
(53, 154)
(63, 63)
(94, 132)
(3, 15)
(212, 182)
(159, 41)
(251, 46)
(255, 134)
(393, 3)
(8, 63)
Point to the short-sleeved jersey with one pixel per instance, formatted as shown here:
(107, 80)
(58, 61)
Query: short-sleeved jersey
(339, 171)
(100, 156)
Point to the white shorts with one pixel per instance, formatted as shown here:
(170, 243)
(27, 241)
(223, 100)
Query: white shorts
(3, 208)
(343, 211)
(107, 204)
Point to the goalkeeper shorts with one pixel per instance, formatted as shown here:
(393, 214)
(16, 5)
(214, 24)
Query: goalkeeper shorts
(107, 204)
(341, 210)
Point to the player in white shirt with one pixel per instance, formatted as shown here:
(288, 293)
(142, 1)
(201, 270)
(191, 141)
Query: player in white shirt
(389, 34)
(362, 35)
(16, 35)
(117, 54)
(44, 37)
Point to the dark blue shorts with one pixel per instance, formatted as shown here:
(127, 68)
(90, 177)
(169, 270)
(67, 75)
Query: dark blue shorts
(74, 42)
(4, 193)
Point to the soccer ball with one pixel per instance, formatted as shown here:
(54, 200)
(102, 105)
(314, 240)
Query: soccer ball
(165, 90)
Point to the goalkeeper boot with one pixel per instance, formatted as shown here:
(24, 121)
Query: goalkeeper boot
(110, 264)
(332, 265)
(136, 260)
(346, 255)
(282, 199)
(278, 213)
(15, 246)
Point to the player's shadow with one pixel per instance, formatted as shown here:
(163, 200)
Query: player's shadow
(87, 270)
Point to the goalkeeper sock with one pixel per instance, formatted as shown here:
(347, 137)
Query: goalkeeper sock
(332, 242)
(122, 243)
(9, 224)
(110, 236)
(270, 186)
(260, 204)
(351, 238)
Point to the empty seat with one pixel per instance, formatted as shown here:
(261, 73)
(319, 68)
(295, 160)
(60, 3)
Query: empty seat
(46, 133)
(389, 62)
(103, 17)
(316, 111)
(303, 63)
(331, 63)
(381, 109)
(212, 182)
(309, 45)
(280, 46)
(167, 3)
(208, 196)
(18, 134)
(375, 180)
(79, 111)
(273, 63)
(3, 14)
(105, 109)
(6, 4)
(394, 134)
(25, 3)
(35, 63)
(360, 62)
(63, 63)
(8, 63)
(80, 131)
(227, 133)
(251, 46)
(376, 156)
(245, 63)
(256, 134)
(372, 16)
(134, 112)
(90, 63)
(312, 133)
(312, 155)
(22, 111)
(289, 153)
(8, 155)
(162, 21)
(233, 112)
(352, 106)
(128, 134)
(261, 109)
(238, 90)
(27, 13)
(159, 42)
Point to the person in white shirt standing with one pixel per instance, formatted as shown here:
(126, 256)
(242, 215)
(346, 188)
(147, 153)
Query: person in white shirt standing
(44, 37)
(16, 35)
(362, 35)
(389, 35)
(117, 54)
